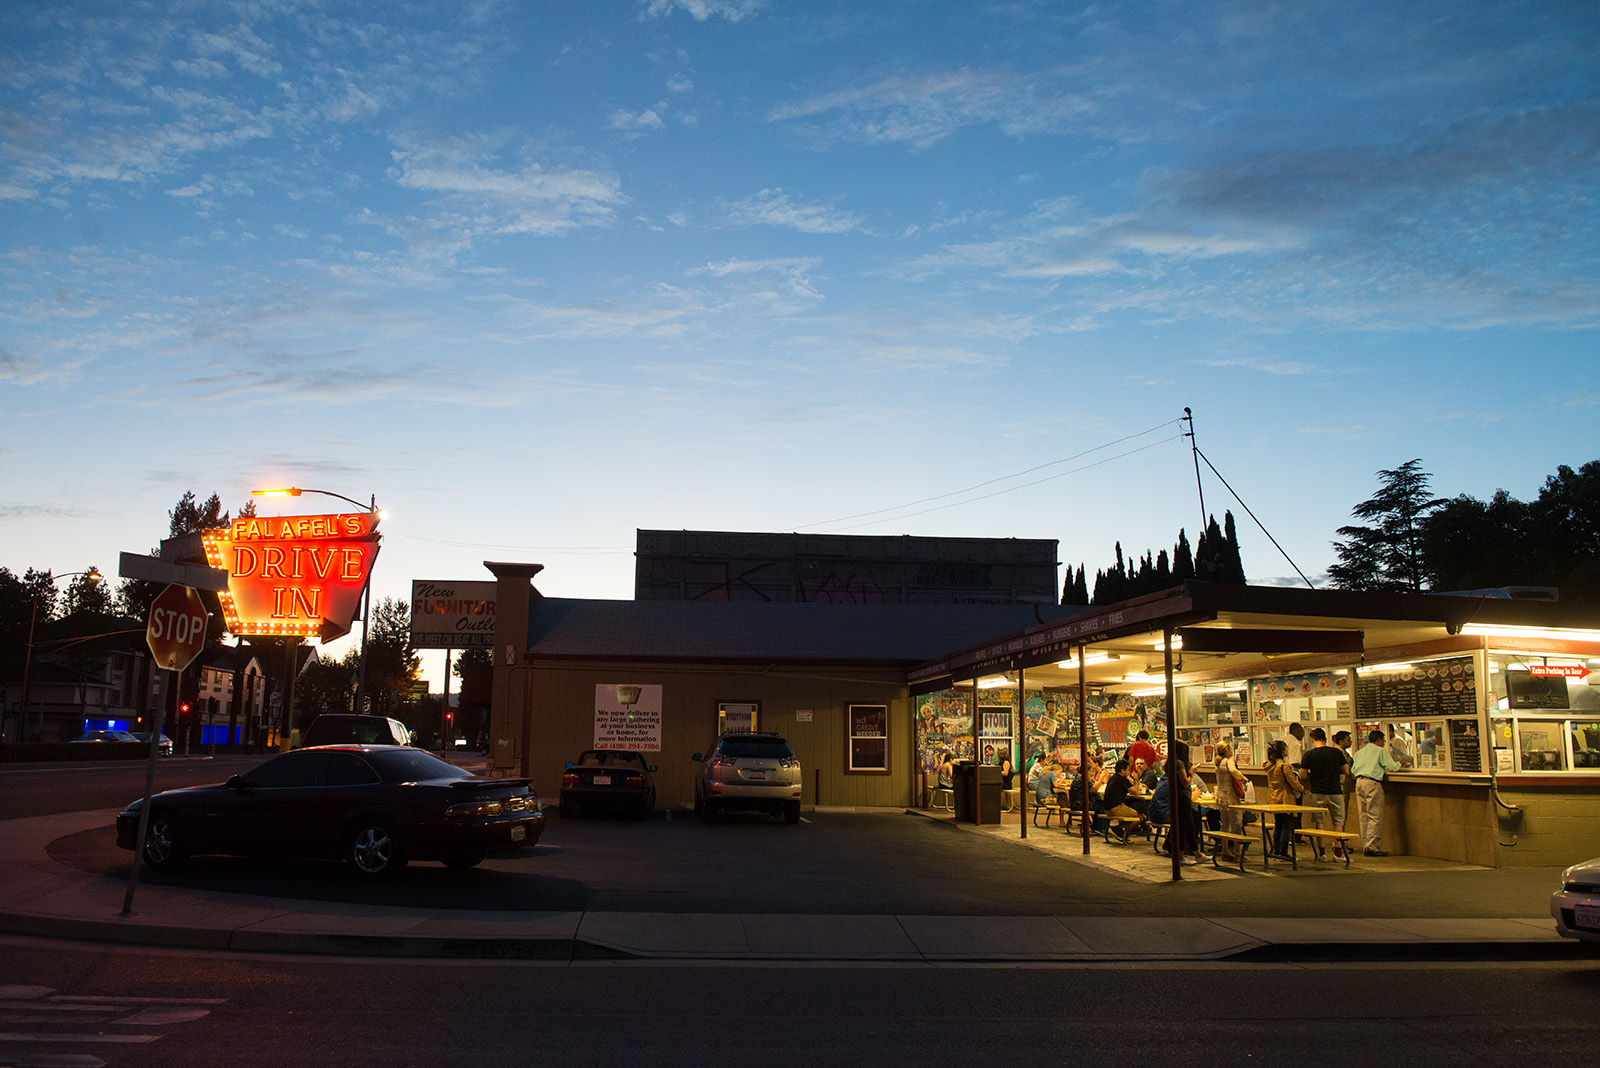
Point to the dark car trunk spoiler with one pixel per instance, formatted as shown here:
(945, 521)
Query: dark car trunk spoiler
(476, 785)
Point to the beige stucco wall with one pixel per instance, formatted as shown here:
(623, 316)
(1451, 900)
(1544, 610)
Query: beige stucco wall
(1558, 825)
(563, 723)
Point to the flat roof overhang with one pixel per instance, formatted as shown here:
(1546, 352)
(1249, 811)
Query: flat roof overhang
(1224, 632)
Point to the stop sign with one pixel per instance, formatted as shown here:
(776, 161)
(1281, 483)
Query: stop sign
(177, 629)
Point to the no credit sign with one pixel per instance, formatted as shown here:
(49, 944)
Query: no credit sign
(177, 629)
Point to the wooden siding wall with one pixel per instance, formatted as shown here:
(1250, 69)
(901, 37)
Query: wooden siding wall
(563, 724)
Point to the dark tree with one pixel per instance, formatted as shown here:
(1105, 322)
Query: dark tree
(391, 662)
(1387, 555)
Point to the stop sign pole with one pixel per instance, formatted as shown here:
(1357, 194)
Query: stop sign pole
(175, 633)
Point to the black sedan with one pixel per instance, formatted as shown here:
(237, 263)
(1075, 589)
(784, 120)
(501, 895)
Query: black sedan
(376, 806)
(609, 779)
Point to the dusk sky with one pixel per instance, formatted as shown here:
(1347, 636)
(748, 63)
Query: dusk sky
(539, 274)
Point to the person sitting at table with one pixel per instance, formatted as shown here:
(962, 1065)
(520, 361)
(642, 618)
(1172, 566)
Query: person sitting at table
(1075, 794)
(1230, 792)
(1007, 773)
(1118, 801)
(1147, 775)
(1283, 788)
(1044, 784)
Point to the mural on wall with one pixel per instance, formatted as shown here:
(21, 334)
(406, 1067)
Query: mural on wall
(1049, 725)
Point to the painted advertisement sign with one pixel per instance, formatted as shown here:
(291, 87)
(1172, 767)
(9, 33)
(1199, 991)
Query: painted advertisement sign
(627, 717)
(452, 615)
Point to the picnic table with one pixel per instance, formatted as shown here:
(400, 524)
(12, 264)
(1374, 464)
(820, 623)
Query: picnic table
(1265, 810)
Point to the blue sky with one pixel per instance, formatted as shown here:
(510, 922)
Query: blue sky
(538, 274)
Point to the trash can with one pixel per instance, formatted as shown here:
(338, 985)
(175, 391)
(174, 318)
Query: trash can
(987, 779)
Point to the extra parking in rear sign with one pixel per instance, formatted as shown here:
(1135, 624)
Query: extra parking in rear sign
(627, 716)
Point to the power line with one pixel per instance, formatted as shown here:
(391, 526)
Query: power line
(1013, 489)
(1003, 478)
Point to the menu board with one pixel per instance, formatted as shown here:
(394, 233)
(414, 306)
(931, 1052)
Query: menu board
(1435, 690)
(1466, 750)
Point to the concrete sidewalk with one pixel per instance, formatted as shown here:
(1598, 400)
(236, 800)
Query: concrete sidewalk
(39, 896)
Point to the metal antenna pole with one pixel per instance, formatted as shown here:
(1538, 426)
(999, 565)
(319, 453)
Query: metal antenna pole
(1188, 417)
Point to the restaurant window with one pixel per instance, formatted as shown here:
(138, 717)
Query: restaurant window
(1319, 699)
(1546, 712)
(1207, 715)
(867, 746)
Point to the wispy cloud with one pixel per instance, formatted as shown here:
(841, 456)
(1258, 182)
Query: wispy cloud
(924, 109)
(772, 207)
(701, 10)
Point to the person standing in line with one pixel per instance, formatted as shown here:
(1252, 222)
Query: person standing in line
(1283, 788)
(1372, 762)
(1324, 768)
(1230, 792)
(1347, 780)
(1293, 743)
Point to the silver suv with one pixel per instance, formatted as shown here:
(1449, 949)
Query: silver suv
(748, 771)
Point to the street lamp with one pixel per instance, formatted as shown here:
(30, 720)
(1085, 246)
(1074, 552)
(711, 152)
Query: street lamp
(366, 594)
(93, 576)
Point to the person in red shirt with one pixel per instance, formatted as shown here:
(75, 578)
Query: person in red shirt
(1142, 749)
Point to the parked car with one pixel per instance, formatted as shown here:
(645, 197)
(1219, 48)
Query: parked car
(352, 729)
(1576, 906)
(748, 771)
(164, 747)
(375, 806)
(106, 736)
(608, 779)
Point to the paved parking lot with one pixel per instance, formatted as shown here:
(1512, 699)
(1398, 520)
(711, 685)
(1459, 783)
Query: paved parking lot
(885, 862)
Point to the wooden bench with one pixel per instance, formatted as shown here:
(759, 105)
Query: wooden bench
(1129, 825)
(1221, 838)
(1158, 831)
(1047, 808)
(1317, 837)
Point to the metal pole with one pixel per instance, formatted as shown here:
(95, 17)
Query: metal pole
(446, 744)
(1018, 722)
(977, 794)
(1174, 834)
(1083, 745)
(27, 665)
(149, 788)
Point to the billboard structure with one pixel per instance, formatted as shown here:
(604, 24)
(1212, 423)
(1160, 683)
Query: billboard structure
(452, 615)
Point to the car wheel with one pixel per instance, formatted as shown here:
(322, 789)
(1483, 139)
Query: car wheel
(163, 843)
(569, 810)
(464, 860)
(374, 851)
(698, 804)
(642, 812)
(791, 812)
(708, 810)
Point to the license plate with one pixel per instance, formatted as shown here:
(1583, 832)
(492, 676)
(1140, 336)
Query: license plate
(601, 780)
(755, 775)
(1588, 916)
(518, 833)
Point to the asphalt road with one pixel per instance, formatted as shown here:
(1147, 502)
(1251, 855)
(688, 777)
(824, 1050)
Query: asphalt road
(832, 863)
(85, 1006)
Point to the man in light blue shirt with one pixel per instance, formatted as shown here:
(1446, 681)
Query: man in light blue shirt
(1371, 762)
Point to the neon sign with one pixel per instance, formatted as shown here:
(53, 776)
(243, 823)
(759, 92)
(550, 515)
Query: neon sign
(300, 575)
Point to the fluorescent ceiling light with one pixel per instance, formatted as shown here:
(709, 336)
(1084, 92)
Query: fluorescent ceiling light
(1495, 630)
(993, 684)
(1090, 660)
(1371, 669)
(1148, 693)
(1143, 676)
(1224, 689)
